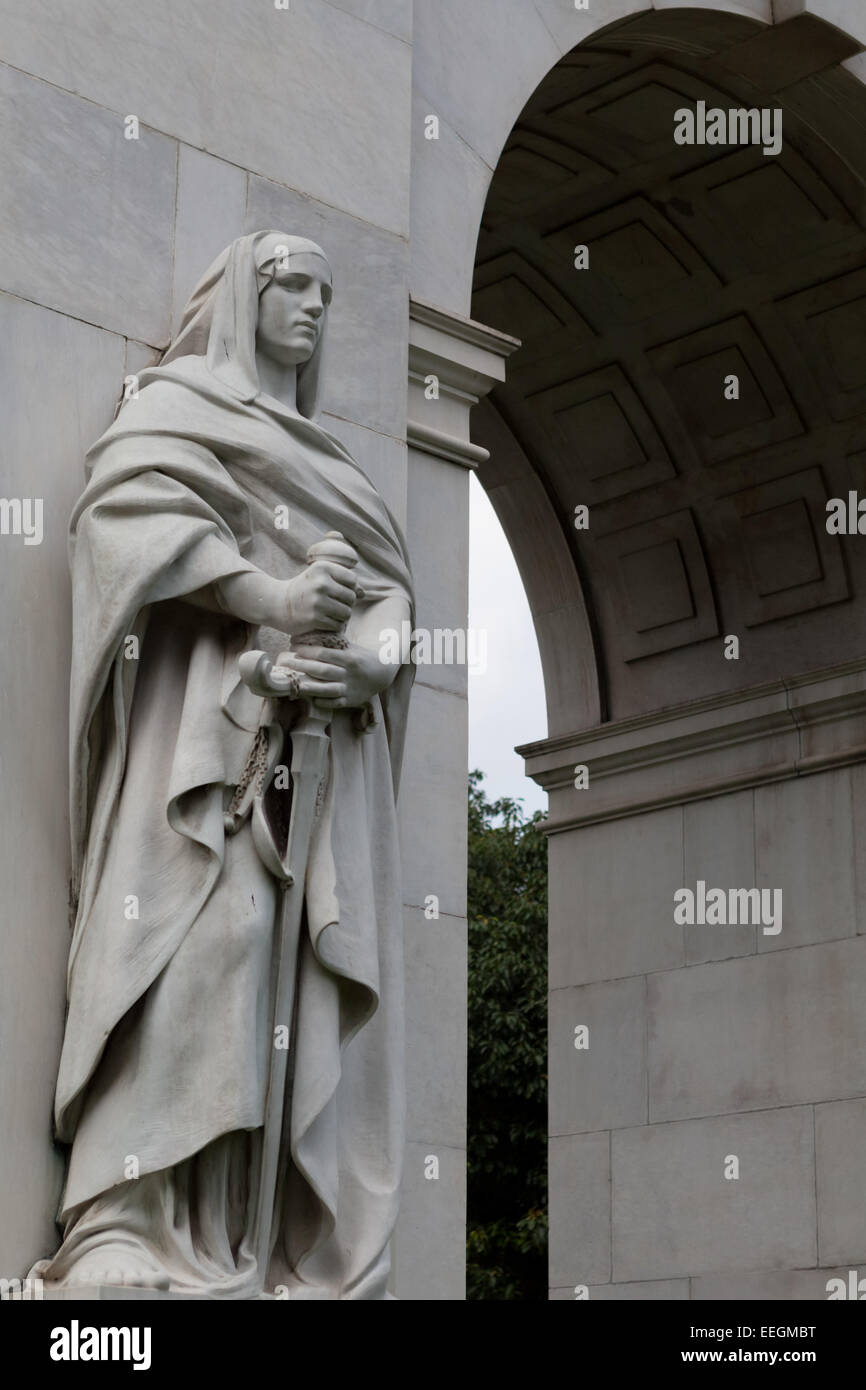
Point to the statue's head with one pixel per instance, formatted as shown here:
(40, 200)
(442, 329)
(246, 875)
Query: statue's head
(270, 292)
(295, 297)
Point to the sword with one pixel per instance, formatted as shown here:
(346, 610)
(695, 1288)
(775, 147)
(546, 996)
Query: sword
(284, 852)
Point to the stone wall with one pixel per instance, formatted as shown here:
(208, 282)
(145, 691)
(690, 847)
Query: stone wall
(249, 117)
(718, 1041)
(710, 1041)
(313, 119)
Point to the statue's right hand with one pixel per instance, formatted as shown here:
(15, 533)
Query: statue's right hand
(321, 596)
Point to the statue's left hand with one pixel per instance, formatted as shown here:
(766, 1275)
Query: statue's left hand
(359, 670)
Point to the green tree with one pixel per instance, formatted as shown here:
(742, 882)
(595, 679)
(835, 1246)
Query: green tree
(507, 1143)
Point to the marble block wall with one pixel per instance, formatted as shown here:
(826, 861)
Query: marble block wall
(247, 117)
(710, 1041)
(313, 118)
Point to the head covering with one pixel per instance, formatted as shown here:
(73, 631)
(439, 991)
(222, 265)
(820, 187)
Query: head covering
(220, 319)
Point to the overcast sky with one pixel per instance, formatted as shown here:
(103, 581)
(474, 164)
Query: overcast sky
(506, 702)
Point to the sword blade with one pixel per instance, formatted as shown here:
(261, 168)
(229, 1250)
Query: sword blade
(309, 753)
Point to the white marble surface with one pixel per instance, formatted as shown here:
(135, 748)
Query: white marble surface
(458, 50)
(58, 381)
(393, 15)
(432, 821)
(785, 1028)
(369, 332)
(668, 1173)
(611, 899)
(840, 1153)
(190, 70)
(211, 201)
(579, 1169)
(449, 186)
(603, 1085)
(90, 233)
(431, 1234)
(436, 1025)
(438, 535)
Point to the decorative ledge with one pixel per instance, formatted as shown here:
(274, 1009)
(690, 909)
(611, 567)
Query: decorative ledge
(721, 744)
(445, 446)
(466, 330)
(467, 359)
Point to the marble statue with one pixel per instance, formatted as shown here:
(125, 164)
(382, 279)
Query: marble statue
(233, 568)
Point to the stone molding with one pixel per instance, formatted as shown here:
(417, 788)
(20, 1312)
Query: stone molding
(769, 733)
(468, 359)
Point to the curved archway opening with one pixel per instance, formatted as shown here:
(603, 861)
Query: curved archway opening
(691, 391)
(699, 385)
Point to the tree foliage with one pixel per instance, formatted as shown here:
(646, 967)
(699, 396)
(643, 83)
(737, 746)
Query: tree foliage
(507, 1198)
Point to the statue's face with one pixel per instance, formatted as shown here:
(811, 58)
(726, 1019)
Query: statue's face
(292, 308)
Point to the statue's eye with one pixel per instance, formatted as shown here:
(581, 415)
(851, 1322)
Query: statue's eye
(297, 283)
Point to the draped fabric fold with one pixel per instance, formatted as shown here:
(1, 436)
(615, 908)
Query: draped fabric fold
(170, 976)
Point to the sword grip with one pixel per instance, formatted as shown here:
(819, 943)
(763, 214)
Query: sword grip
(256, 667)
(334, 547)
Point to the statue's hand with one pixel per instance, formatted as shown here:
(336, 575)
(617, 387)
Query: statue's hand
(321, 597)
(268, 678)
(359, 671)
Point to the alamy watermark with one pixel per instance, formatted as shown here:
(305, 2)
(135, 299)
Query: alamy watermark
(738, 126)
(731, 907)
(441, 646)
(855, 1289)
(22, 516)
(77, 1343)
(23, 1290)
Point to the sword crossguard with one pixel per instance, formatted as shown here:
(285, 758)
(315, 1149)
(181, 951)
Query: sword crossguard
(257, 670)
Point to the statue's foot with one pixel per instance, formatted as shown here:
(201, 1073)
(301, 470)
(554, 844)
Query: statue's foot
(116, 1265)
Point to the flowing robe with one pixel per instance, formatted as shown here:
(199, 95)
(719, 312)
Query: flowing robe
(170, 984)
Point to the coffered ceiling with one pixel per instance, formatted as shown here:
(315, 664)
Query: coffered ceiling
(707, 514)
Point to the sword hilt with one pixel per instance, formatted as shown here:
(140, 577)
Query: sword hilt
(334, 547)
(256, 668)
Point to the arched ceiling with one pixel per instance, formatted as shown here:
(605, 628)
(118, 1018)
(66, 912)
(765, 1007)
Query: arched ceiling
(707, 515)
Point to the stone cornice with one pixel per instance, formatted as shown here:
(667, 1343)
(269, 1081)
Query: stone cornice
(463, 329)
(467, 359)
(445, 446)
(743, 739)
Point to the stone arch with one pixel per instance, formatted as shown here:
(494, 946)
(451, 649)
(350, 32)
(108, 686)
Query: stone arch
(705, 262)
(456, 48)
